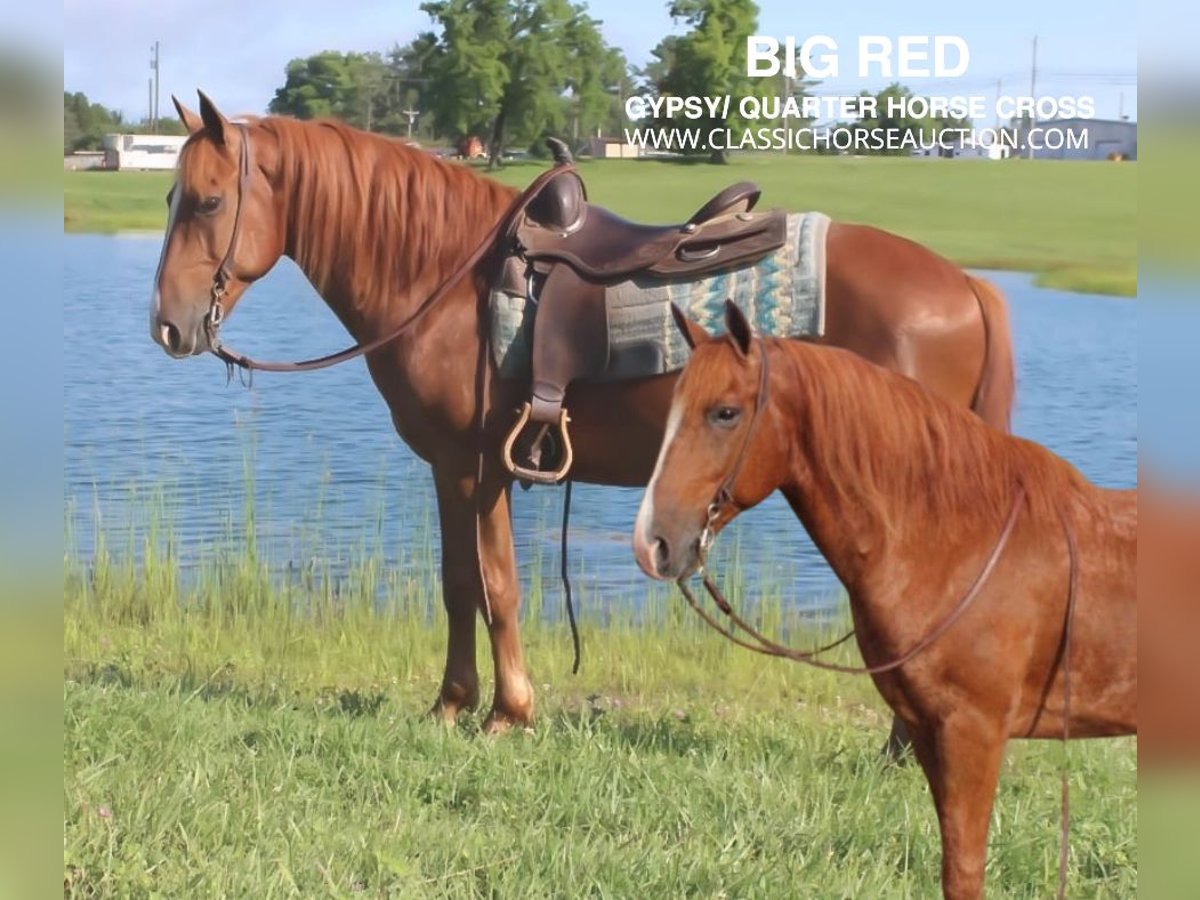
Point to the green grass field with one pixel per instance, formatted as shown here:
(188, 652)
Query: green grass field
(243, 738)
(1073, 223)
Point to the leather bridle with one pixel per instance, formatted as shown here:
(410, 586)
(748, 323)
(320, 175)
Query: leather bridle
(723, 498)
(758, 642)
(224, 274)
(224, 271)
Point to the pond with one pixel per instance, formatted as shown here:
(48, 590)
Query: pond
(309, 463)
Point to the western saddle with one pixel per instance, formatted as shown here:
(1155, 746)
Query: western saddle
(562, 254)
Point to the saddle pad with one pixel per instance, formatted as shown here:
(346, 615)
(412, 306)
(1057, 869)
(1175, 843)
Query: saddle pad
(782, 294)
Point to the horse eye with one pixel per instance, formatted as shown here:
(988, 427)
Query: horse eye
(209, 205)
(724, 416)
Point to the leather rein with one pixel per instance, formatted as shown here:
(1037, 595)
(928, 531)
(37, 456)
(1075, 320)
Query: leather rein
(758, 642)
(224, 274)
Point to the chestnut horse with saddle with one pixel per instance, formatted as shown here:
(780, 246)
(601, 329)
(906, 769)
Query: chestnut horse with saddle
(405, 249)
(992, 587)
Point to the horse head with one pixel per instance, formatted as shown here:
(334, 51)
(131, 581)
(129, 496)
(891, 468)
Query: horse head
(224, 230)
(717, 457)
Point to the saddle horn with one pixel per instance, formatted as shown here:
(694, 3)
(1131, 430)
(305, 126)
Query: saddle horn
(562, 154)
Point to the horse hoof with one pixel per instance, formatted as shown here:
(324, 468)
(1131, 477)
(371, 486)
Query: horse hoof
(447, 711)
(499, 722)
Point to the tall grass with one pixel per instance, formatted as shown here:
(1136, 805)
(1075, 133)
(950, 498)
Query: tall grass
(240, 727)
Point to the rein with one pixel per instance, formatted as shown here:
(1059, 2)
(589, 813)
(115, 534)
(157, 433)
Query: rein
(760, 643)
(223, 274)
(756, 641)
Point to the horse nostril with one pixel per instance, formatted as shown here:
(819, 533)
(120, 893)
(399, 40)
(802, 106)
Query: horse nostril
(662, 555)
(171, 338)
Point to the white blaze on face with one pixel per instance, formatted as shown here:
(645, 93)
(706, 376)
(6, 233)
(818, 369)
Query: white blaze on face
(155, 300)
(646, 512)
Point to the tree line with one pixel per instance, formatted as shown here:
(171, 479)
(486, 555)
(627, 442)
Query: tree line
(510, 73)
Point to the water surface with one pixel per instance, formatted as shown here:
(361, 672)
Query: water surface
(147, 437)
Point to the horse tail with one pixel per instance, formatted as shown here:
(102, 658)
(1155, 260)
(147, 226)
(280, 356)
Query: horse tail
(993, 400)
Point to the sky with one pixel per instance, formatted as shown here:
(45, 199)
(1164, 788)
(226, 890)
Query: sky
(236, 50)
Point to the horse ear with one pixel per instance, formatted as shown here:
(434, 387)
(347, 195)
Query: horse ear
(739, 329)
(190, 120)
(214, 122)
(693, 332)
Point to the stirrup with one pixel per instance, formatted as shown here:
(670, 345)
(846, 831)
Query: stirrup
(538, 475)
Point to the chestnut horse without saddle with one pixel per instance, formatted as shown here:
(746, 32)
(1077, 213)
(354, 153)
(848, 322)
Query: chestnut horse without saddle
(379, 227)
(992, 587)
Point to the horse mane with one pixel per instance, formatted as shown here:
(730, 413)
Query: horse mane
(882, 437)
(391, 214)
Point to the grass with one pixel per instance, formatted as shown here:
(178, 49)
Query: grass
(230, 733)
(1072, 223)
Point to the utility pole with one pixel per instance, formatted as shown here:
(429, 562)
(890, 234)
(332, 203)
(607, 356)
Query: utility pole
(154, 89)
(411, 114)
(1032, 94)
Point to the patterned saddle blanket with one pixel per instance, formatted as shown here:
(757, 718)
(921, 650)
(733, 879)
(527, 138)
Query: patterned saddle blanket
(782, 294)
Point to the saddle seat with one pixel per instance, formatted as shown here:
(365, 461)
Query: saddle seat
(560, 225)
(562, 254)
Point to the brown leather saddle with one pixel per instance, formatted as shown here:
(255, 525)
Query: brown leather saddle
(564, 252)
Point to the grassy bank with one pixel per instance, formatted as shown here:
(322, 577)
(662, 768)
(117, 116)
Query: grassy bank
(1073, 223)
(244, 737)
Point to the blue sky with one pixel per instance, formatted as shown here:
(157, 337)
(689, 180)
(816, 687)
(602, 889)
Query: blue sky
(236, 50)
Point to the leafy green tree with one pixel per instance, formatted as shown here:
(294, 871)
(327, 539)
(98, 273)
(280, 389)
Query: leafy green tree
(85, 123)
(598, 82)
(513, 69)
(347, 86)
(407, 88)
(710, 59)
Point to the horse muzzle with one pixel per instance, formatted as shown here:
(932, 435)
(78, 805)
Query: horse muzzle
(179, 339)
(665, 558)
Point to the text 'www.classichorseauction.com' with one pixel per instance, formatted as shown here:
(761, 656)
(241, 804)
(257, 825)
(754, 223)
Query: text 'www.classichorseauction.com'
(799, 120)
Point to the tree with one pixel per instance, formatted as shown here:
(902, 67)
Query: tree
(597, 85)
(85, 123)
(511, 69)
(346, 86)
(710, 60)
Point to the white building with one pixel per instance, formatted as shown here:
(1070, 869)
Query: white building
(142, 151)
(612, 148)
(965, 148)
(1086, 139)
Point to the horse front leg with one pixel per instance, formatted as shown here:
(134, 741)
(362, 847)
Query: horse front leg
(461, 595)
(962, 759)
(473, 554)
